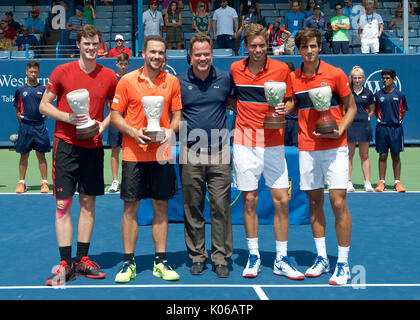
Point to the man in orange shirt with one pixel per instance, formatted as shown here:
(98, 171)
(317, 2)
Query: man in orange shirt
(259, 151)
(146, 171)
(323, 157)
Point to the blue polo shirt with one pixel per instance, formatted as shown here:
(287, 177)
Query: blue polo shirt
(27, 100)
(389, 107)
(363, 101)
(204, 105)
(294, 22)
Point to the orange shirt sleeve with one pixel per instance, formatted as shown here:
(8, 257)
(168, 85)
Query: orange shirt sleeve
(176, 102)
(342, 84)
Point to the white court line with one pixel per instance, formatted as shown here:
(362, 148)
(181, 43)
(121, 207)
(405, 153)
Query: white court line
(117, 286)
(261, 294)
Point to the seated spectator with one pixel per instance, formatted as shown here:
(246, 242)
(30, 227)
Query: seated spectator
(164, 4)
(35, 24)
(397, 22)
(201, 21)
(103, 50)
(173, 23)
(5, 44)
(119, 41)
(26, 39)
(9, 32)
(74, 23)
(245, 10)
(12, 23)
(194, 3)
(276, 39)
(89, 12)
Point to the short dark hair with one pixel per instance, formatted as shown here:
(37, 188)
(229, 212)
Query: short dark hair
(88, 31)
(153, 37)
(389, 72)
(32, 64)
(200, 37)
(304, 34)
(123, 57)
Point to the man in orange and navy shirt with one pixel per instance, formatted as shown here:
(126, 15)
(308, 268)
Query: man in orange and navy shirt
(257, 150)
(323, 157)
(146, 168)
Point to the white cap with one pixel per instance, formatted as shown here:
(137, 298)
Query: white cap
(119, 37)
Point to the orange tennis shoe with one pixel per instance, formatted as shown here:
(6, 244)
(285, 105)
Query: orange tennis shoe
(45, 188)
(20, 188)
(398, 187)
(380, 187)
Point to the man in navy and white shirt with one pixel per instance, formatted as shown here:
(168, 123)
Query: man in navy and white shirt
(32, 134)
(390, 108)
(205, 157)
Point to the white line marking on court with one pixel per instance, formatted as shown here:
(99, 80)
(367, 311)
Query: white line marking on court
(116, 286)
(261, 294)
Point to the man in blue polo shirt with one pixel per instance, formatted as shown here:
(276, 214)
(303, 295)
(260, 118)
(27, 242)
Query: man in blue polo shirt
(390, 108)
(205, 157)
(293, 22)
(32, 134)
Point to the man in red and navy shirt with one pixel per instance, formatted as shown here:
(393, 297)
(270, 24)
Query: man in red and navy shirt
(390, 108)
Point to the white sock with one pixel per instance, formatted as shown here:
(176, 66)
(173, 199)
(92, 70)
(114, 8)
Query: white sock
(253, 246)
(281, 249)
(396, 181)
(343, 254)
(321, 247)
(21, 181)
(44, 181)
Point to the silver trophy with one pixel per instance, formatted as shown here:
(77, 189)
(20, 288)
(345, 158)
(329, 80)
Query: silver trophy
(274, 93)
(321, 99)
(79, 103)
(153, 106)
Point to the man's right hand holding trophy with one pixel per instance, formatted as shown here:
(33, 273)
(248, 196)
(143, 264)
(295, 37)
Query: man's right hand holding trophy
(326, 126)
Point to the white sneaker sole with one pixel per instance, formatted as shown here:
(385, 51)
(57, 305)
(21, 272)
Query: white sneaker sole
(312, 275)
(279, 273)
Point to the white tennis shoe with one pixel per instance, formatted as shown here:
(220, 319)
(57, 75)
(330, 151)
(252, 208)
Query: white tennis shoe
(252, 266)
(284, 267)
(341, 274)
(320, 266)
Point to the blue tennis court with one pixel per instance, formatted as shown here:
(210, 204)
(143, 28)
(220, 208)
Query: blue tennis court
(383, 255)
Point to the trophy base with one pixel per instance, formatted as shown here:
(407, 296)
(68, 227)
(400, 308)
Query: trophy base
(326, 126)
(274, 123)
(89, 132)
(155, 136)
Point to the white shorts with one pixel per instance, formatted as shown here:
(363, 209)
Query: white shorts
(330, 166)
(370, 45)
(250, 162)
(278, 48)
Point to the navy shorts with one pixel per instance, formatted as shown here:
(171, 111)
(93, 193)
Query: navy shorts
(389, 138)
(359, 132)
(342, 46)
(144, 180)
(33, 137)
(291, 132)
(114, 137)
(77, 168)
